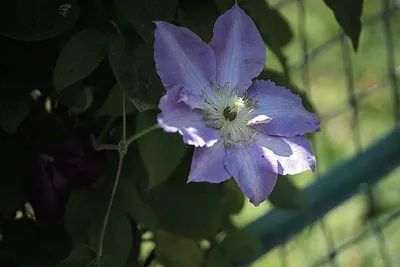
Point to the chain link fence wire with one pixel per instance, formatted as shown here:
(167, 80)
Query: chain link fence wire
(283, 226)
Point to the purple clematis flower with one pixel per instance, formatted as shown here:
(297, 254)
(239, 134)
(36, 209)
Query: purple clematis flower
(60, 167)
(249, 130)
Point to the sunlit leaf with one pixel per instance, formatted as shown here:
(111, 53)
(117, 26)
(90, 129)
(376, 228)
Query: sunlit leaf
(178, 251)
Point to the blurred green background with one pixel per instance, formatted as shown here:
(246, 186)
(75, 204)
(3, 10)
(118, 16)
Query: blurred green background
(338, 139)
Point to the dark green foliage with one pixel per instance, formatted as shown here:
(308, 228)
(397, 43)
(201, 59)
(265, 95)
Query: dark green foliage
(66, 64)
(348, 15)
(80, 56)
(37, 20)
(284, 188)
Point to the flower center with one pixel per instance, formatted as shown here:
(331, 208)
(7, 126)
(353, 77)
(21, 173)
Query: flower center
(230, 111)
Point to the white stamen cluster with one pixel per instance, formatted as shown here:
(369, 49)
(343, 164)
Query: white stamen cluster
(229, 111)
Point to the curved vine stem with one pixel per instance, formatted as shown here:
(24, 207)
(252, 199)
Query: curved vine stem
(109, 207)
(123, 149)
(141, 133)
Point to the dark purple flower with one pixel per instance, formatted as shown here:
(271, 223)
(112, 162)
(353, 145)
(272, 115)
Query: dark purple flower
(59, 168)
(251, 131)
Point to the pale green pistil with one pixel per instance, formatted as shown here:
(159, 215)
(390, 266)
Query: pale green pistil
(229, 111)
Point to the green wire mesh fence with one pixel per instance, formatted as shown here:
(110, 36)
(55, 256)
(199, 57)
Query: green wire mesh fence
(370, 162)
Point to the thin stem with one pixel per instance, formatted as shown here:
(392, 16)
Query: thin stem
(140, 134)
(106, 147)
(122, 152)
(122, 148)
(110, 203)
(98, 147)
(115, 25)
(124, 118)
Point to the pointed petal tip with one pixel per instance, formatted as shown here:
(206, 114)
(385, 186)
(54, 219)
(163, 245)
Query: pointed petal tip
(255, 202)
(181, 57)
(241, 62)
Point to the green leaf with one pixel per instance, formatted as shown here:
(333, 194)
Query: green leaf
(161, 152)
(233, 197)
(139, 210)
(12, 164)
(273, 27)
(14, 105)
(218, 259)
(118, 237)
(178, 251)
(199, 16)
(112, 106)
(81, 256)
(37, 20)
(142, 14)
(85, 256)
(348, 15)
(286, 195)
(135, 71)
(84, 218)
(189, 209)
(241, 245)
(79, 57)
(76, 97)
(78, 216)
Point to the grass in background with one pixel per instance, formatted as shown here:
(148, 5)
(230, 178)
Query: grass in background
(328, 91)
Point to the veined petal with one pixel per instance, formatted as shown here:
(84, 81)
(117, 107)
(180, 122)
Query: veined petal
(208, 164)
(191, 98)
(294, 154)
(182, 58)
(177, 116)
(302, 158)
(239, 49)
(254, 168)
(289, 117)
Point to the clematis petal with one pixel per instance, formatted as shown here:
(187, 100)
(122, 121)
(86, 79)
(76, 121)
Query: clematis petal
(208, 164)
(182, 58)
(191, 98)
(177, 116)
(254, 168)
(302, 158)
(289, 117)
(274, 143)
(239, 49)
(46, 189)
